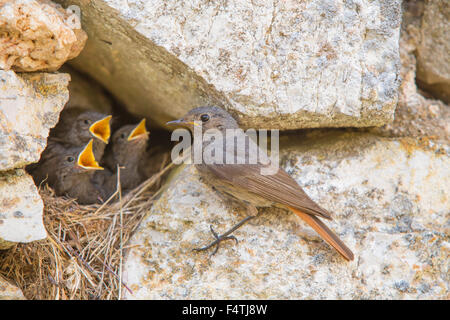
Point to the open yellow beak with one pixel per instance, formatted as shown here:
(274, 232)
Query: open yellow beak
(139, 131)
(101, 129)
(86, 159)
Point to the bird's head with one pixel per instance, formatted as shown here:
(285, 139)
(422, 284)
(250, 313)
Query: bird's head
(94, 124)
(209, 117)
(85, 159)
(130, 140)
(75, 164)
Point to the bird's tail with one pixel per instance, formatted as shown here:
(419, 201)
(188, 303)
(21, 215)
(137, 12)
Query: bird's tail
(325, 233)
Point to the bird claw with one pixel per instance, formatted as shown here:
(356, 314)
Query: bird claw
(216, 242)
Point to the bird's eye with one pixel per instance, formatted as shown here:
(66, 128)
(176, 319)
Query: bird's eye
(204, 117)
(87, 121)
(123, 136)
(70, 159)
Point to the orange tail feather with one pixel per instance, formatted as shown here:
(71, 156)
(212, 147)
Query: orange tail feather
(325, 233)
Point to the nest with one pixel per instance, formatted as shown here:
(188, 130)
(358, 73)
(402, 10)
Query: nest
(82, 256)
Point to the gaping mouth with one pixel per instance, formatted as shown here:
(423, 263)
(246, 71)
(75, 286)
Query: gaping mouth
(139, 132)
(101, 129)
(86, 158)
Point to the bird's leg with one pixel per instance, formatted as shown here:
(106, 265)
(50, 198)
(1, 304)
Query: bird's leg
(226, 236)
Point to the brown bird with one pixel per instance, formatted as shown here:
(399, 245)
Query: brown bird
(128, 149)
(245, 182)
(69, 171)
(77, 126)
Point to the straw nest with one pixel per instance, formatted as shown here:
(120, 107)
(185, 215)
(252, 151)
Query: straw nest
(83, 254)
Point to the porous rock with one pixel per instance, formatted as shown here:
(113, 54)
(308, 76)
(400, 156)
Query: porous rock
(38, 35)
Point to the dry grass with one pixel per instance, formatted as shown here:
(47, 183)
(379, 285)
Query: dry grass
(83, 254)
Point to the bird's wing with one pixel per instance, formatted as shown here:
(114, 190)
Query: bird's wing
(279, 187)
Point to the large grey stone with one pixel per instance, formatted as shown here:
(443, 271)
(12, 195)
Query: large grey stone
(21, 209)
(283, 64)
(391, 206)
(29, 106)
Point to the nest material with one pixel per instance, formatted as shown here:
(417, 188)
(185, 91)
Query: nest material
(83, 254)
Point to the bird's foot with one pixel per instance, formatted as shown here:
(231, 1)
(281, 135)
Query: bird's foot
(225, 236)
(216, 243)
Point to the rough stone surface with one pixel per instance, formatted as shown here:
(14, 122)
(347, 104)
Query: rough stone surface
(86, 93)
(21, 208)
(433, 58)
(29, 107)
(391, 206)
(417, 114)
(9, 291)
(283, 64)
(38, 35)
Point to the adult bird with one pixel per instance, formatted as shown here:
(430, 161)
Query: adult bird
(245, 182)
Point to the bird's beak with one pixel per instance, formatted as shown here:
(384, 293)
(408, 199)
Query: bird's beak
(101, 129)
(86, 158)
(139, 132)
(181, 122)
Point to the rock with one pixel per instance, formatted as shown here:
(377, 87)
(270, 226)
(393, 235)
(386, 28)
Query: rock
(287, 65)
(38, 35)
(9, 291)
(29, 107)
(86, 93)
(21, 209)
(415, 115)
(433, 58)
(390, 201)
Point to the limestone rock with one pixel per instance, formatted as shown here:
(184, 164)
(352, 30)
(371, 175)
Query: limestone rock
(390, 201)
(9, 291)
(415, 115)
(29, 107)
(38, 35)
(21, 208)
(433, 52)
(284, 64)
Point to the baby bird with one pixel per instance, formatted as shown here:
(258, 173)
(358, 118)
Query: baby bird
(128, 148)
(77, 126)
(69, 171)
(73, 174)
